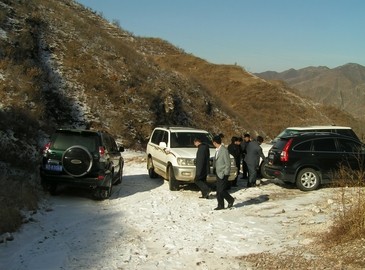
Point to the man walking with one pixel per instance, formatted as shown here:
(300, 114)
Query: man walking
(252, 159)
(222, 168)
(202, 167)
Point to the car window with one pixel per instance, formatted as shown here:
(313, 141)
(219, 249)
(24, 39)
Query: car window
(304, 146)
(110, 143)
(157, 136)
(324, 145)
(349, 146)
(279, 144)
(286, 133)
(347, 132)
(63, 141)
(186, 139)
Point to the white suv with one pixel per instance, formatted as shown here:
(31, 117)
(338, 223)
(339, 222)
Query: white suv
(171, 154)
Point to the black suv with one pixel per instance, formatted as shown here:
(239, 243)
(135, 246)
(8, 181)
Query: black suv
(311, 159)
(82, 158)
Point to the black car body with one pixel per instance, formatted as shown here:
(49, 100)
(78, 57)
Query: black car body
(312, 159)
(82, 158)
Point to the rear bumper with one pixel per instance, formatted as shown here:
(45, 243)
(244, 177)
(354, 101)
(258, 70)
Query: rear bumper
(89, 182)
(282, 173)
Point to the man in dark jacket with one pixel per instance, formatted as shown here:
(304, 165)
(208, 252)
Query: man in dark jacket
(202, 167)
(235, 150)
(252, 159)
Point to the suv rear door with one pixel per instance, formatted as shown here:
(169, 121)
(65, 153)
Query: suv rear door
(325, 156)
(352, 153)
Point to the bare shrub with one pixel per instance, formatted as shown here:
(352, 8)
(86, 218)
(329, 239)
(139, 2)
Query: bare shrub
(349, 220)
(16, 192)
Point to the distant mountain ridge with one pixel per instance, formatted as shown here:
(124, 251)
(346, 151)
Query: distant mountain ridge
(343, 86)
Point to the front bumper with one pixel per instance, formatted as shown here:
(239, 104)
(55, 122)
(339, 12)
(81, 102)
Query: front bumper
(187, 174)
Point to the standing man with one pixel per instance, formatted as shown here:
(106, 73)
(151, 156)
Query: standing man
(222, 168)
(244, 143)
(235, 150)
(202, 167)
(252, 159)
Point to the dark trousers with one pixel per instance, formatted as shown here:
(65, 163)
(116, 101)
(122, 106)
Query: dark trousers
(252, 175)
(244, 169)
(222, 193)
(202, 184)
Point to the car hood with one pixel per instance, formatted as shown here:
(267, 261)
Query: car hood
(189, 152)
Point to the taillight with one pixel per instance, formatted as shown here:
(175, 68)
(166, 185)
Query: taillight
(284, 156)
(46, 147)
(101, 151)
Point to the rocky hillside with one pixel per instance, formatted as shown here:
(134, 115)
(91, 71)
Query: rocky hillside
(62, 65)
(343, 87)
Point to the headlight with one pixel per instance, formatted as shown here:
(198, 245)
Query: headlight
(186, 161)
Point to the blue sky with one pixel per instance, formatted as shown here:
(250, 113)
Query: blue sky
(259, 35)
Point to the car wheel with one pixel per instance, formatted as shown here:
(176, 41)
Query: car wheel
(151, 170)
(263, 171)
(104, 192)
(77, 161)
(173, 184)
(308, 179)
(52, 188)
(119, 176)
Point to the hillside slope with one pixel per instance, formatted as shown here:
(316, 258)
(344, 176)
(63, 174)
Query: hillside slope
(63, 65)
(343, 86)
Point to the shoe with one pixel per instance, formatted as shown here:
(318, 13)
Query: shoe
(219, 208)
(230, 205)
(204, 196)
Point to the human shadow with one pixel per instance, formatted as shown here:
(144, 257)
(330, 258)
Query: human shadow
(257, 200)
(132, 184)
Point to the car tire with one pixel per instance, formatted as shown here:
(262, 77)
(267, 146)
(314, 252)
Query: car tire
(263, 171)
(173, 184)
(119, 176)
(308, 179)
(104, 192)
(151, 171)
(52, 188)
(77, 161)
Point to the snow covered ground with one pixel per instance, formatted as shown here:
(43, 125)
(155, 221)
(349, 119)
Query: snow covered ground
(146, 226)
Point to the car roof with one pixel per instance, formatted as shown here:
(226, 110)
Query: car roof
(317, 134)
(182, 129)
(318, 127)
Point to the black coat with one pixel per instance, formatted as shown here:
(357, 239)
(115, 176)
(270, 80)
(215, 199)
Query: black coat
(202, 162)
(235, 151)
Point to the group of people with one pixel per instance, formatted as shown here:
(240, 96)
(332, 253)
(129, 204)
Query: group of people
(246, 150)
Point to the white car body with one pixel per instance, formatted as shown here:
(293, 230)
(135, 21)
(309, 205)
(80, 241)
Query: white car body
(171, 154)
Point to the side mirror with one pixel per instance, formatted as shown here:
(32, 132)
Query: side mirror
(121, 149)
(162, 144)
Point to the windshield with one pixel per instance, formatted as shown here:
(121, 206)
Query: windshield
(186, 139)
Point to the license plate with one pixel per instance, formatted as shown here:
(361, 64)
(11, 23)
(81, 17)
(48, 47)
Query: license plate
(271, 156)
(53, 167)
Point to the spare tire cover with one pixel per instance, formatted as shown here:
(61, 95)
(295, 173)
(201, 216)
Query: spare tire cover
(77, 161)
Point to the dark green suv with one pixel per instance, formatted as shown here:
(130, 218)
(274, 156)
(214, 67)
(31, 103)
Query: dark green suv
(83, 158)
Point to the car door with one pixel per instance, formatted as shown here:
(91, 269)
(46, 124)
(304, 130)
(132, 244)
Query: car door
(324, 151)
(352, 153)
(112, 151)
(159, 142)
